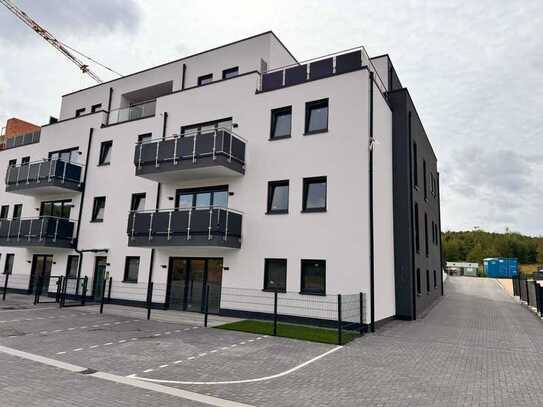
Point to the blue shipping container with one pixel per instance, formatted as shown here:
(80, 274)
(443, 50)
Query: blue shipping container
(500, 267)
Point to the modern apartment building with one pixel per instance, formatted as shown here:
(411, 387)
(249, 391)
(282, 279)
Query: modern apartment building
(237, 168)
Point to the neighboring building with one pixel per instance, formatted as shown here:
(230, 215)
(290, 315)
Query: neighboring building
(500, 267)
(462, 268)
(217, 169)
(17, 132)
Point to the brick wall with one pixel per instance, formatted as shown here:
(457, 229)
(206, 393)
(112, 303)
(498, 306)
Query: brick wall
(16, 126)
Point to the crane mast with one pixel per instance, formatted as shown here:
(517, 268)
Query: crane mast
(47, 36)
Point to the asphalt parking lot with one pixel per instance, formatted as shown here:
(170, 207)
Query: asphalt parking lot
(477, 347)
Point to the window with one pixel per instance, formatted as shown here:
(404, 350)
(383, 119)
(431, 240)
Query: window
(12, 163)
(435, 279)
(131, 268)
(96, 107)
(419, 287)
(60, 209)
(69, 155)
(428, 281)
(415, 165)
(79, 112)
(138, 202)
(314, 199)
(4, 212)
(72, 266)
(426, 239)
(275, 274)
(207, 127)
(424, 179)
(281, 123)
(98, 209)
(202, 197)
(25, 160)
(277, 197)
(313, 277)
(144, 137)
(230, 73)
(8, 267)
(17, 211)
(205, 79)
(417, 233)
(316, 116)
(105, 153)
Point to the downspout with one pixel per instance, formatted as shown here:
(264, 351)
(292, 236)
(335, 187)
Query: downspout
(372, 243)
(440, 242)
(412, 222)
(82, 200)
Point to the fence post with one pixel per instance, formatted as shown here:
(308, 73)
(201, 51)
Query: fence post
(361, 314)
(275, 312)
(59, 286)
(206, 308)
(5, 287)
(149, 299)
(63, 293)
(527, 292)
(339, 319)
(103, 296)
(109, 290)
(84, 290)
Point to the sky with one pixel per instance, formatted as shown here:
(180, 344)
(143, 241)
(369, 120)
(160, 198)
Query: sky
(473, 68)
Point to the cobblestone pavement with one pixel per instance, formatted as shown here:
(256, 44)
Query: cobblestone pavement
(476, 347)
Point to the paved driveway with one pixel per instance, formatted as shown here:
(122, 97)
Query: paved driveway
(477, 347)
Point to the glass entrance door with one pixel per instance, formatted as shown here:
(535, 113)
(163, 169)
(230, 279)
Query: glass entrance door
(41, 269)
(187, 282)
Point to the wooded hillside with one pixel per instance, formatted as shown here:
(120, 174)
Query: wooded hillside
(474, 246)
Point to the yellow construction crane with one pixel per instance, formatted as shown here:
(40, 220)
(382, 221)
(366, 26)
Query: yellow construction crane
(47, 36)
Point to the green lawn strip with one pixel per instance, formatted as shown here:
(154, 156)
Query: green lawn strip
(306, 333)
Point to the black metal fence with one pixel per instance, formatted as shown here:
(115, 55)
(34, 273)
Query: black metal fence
(529, 289)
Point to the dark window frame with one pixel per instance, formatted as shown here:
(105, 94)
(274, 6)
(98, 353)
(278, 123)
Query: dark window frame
(195, 191)
(69, 263)
(59, 152)
(127, 261)
(63, 203)
(419, 283)
(306, 183)
(415, 165)
(96, 107)
(267, 263)
(136, 196)
(94, 215)
(143, 136)
(191, 129)
(315, 104)
(12, 162)
(25, 160)
(271, 186)
(6, 263)
(305, 291)
(229, 71)
(4, 211)
(205, 77)
(101, 158)
(425, 180)
(427, 281)
(80, 112)
(426, 237)
(17, 208)
(435, 279)
(417, 228)
(275, 113)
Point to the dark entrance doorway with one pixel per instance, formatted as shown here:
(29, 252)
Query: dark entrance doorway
(41, 269)
(100, 264)
(187, 279)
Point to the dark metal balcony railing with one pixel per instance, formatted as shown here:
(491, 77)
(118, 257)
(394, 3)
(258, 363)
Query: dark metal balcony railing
(190, 226)
(41, 229)
(191, 146)
(318, 68)
(19, 140)
(45, 171)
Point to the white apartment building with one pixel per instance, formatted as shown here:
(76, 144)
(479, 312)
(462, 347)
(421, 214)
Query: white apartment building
(239, 168)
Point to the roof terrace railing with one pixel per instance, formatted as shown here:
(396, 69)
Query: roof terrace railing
(19, 140)
(321, 67)
(136, 111)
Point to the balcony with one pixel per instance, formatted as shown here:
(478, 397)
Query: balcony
(43, 231)
(19, 140)
(204, 227)
(44, 177)
(195, 155)
(133, 112)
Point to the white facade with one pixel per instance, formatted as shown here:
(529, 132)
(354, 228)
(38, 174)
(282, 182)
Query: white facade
(340, 235)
